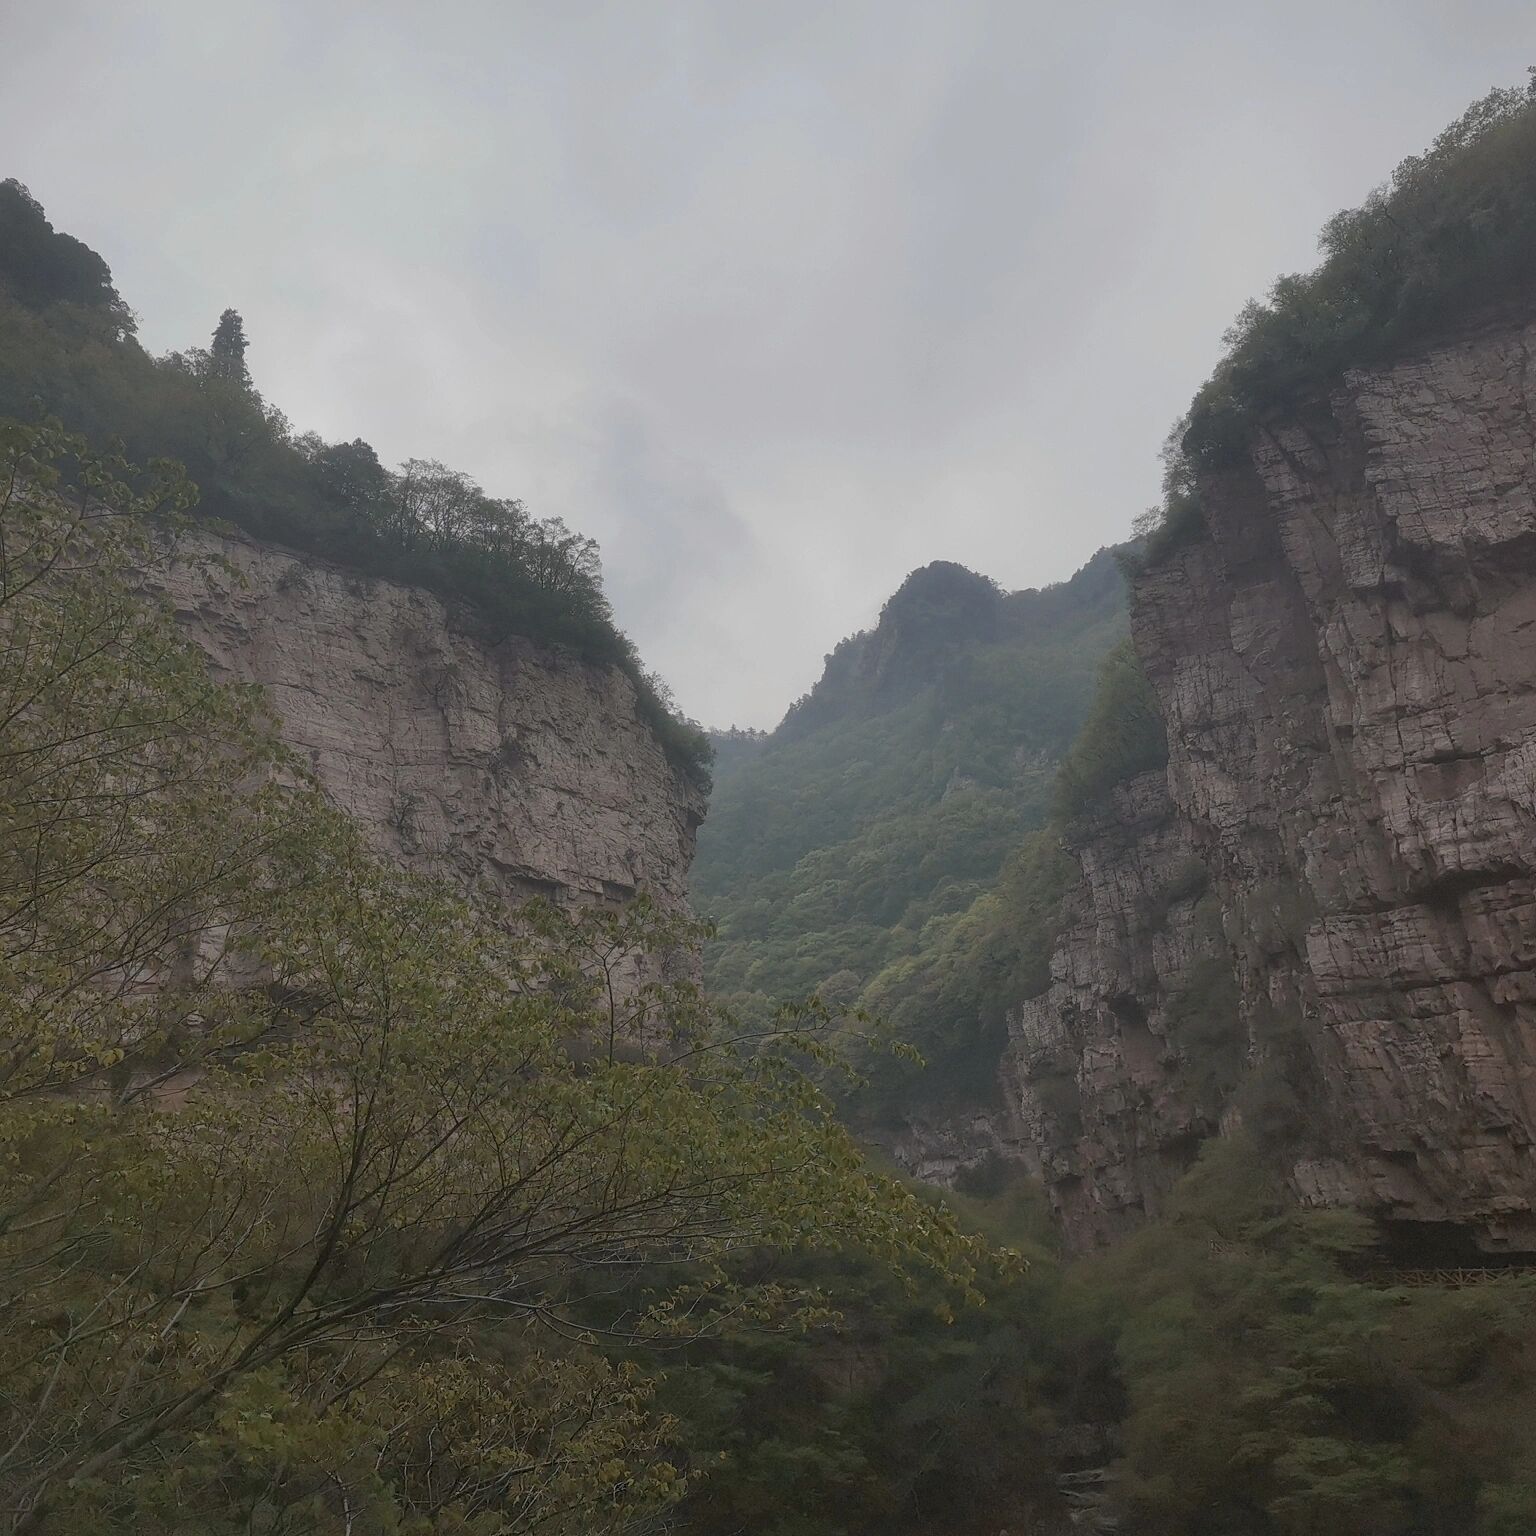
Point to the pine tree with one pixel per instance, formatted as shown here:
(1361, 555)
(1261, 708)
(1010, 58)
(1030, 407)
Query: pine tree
(227, 354)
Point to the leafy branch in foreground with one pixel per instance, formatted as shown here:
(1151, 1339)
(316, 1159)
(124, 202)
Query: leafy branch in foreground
(317, 1188)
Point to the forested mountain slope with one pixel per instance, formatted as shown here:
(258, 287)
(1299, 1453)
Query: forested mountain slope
(853, 844)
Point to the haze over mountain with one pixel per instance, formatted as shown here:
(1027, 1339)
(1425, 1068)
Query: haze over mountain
(861, 832)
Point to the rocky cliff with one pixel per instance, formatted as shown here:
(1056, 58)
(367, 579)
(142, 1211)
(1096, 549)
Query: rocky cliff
(1345, 662)
(509, 768)
(1116, 1072)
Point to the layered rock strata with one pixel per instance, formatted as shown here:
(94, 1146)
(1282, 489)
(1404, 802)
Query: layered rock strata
(1120, 1069)
(510, 769)
(1346, 662)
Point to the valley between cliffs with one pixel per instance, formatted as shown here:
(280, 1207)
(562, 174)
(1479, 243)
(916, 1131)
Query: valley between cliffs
(1319, 921)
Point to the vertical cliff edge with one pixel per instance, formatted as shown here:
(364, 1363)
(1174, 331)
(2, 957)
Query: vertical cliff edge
(1320, 923)
(509, 768)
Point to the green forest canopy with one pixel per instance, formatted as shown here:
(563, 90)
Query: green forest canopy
(856, 851)
(1451, 236)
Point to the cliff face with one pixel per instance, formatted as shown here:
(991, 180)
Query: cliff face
(510, 768)
(1114, 1071)
(1346, 666)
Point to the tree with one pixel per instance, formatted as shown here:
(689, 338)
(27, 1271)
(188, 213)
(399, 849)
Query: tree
(432, 503)
(43, 266)
(352, 478)
(561, 560)
(226, 354)
(225, 426)
(500, 527)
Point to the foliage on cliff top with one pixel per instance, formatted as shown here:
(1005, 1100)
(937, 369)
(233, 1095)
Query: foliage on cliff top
(41, 265)
(1450, 236)
(1453, 232)
(67, 350)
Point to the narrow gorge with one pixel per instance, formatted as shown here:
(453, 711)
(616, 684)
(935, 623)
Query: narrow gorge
(1316, 921)
(1075, 1075)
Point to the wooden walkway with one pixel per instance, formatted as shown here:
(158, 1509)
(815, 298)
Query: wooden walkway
(1452, 1279)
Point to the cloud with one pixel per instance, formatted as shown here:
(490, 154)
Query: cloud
(674, 549)
(778, 300)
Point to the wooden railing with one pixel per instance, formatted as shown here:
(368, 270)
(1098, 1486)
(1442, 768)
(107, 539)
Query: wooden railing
(1452, 1277)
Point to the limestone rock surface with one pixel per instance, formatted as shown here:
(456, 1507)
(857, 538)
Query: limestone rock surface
(510, 769)
(1346, 663)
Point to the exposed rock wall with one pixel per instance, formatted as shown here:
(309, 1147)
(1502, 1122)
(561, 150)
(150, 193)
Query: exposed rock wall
(1346, 661)
(945, 1147)
(510, 768)
(1106, 1067)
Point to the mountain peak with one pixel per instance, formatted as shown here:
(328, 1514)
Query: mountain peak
(939, 609)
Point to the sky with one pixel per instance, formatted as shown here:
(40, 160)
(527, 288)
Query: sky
(777, 300)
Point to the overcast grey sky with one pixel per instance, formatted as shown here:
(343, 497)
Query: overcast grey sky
(778, 300)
